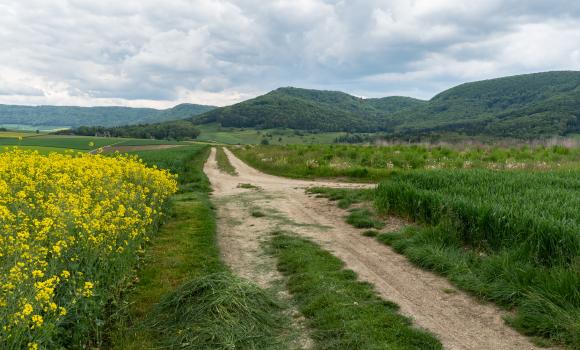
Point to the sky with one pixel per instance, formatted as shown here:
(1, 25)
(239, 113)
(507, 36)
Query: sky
(219, 52)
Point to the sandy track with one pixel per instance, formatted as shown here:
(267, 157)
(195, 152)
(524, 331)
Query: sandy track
(457, 319)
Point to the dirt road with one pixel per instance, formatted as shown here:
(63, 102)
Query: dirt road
(459, 321)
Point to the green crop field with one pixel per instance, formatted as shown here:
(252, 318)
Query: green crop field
(46, 142)
(500, 223)
(374, 163)
(232, 136)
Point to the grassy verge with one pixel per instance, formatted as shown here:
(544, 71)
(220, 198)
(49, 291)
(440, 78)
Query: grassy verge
(342, 312)
(223, 162)
(185, 297)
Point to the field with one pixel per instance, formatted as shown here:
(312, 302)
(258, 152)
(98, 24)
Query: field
(239, 136)
(46, 143)
(372, 163)
(68, 248)
(498, 223)
(501, 224)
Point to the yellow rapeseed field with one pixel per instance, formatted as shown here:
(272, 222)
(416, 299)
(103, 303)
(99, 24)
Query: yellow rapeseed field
(71, 229)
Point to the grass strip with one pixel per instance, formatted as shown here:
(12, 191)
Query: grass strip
(223, 162)
(342, 312)
(185, 297)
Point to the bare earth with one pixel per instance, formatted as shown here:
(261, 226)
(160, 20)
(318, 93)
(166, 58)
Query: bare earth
(458, 320)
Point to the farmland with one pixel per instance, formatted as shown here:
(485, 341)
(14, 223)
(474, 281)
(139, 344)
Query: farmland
(212, 132)
(499, 223)
(505, 228)
(368, 163)
(70, 248)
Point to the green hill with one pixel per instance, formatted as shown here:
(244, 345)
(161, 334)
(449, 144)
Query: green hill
(309, 110)
(92, 116)
(528, 105)
(523, 106)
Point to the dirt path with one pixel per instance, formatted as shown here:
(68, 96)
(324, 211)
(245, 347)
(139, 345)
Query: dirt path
(458, 320)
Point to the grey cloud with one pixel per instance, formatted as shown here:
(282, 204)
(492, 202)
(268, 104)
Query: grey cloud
(217, 51)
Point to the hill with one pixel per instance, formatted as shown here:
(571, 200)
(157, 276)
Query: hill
(92, 116)
(309, 110)
(531, 105)
(523, 106)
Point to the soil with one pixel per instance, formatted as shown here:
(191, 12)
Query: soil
(457, 319)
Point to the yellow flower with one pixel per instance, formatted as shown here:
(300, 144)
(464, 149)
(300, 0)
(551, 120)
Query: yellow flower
(32, 346)
(37, 321)
(27, 310)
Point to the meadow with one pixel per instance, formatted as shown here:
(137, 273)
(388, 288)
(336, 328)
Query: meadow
(372, 163)
(73, 225)
(247, 136)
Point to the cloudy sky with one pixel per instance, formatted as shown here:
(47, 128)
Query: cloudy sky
(160, 53)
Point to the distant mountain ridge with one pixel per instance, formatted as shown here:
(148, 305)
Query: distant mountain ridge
(92, 116)
(522, 106)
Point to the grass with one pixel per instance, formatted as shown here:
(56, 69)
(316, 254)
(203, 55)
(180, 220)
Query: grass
(16, 134)
(374, 163)
(370, 233)
(40, 149)
(342, 312)
(238, 136)
(74, 142)
(344, 197)
(507, 237)
(510, 237)
(249, 186)
(223, 162)
(186, 298)
(257, 213)
(364, 218)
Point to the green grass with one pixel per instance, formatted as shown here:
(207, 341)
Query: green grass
(342, 312)
(223, 162)
(508, 237)
(146, 142)
(40, 149)
(75, 142)
(370, 233)
(364, 218)
(344, 197)
(16, 134)
(186, 298)
(374, 163)
(257, 213)
(238, 136)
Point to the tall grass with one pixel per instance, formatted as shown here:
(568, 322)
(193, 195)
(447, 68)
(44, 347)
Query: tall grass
(509, 237)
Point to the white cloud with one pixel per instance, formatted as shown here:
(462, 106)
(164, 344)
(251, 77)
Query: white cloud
(144, 52)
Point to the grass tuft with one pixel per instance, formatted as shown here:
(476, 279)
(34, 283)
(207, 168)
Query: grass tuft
(370, 233)
(257, 213)
(220, 311)
(364, 218)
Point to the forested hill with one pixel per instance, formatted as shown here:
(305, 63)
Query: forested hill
(92, 116)
(524, 106)
(309, 110)
(528, 105)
